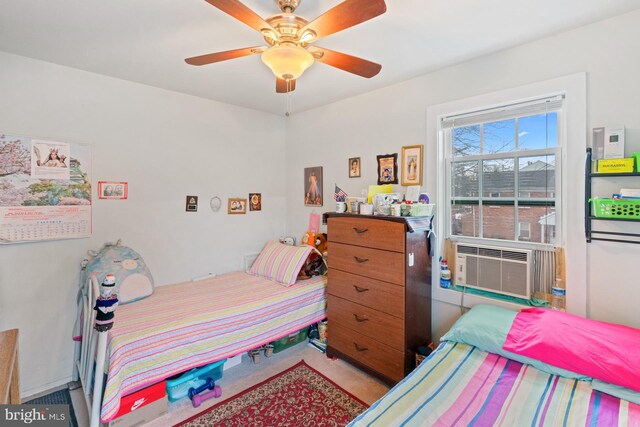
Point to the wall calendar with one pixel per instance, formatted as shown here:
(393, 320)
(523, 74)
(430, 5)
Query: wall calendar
(45, 190)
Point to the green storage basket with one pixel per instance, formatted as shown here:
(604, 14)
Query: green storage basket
(290, 340)
(615, 208)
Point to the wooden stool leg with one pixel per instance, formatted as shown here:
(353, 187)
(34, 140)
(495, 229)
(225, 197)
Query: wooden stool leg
(14, 390)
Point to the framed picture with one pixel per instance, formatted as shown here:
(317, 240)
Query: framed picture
(313, 186)
(237, 206)
(354, 167)
(412, 165)
(388, 169)
(115, 190)
(255, 201)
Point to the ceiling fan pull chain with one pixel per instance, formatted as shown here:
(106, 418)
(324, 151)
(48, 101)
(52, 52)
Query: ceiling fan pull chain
(288, 105)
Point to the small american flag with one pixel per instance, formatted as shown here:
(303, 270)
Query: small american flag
(340, 195)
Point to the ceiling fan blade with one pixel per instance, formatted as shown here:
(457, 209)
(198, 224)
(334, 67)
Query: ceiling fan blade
(281, 85)
(351, 64)
(241, 13)
(345, 15)
(210, 58)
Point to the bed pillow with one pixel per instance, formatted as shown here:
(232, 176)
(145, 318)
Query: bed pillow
(601, 350)
(616, 391)
(280, 262)
(486, 327)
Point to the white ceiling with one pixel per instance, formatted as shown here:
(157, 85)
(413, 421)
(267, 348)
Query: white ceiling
(146, 41)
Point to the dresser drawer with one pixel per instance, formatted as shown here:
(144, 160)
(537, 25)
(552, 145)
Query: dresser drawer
(382, 327)
(374, 263)
(381, 296)
(377, 356)
(371, 233)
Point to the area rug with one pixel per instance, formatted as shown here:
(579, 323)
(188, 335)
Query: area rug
(299, 396)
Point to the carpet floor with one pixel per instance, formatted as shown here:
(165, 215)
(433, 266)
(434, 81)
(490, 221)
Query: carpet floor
(298, 396)
(60, 397)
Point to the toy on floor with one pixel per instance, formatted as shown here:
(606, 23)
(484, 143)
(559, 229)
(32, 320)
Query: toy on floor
(197, 398)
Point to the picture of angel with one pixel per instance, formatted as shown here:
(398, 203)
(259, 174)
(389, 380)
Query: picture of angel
(50, 160)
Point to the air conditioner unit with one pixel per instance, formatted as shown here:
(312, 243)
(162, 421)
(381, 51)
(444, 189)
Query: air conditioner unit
(493, 269)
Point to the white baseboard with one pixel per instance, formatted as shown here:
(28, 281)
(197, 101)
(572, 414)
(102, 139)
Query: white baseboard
(36, 392)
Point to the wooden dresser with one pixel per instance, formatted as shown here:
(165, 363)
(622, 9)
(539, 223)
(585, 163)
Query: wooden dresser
(379, 302)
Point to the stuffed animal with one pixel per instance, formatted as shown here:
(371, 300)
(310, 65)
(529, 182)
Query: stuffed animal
(133, 278)
(321, 243)
(308, 238)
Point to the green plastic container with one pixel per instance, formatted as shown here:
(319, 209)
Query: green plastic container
(615, 208)
(290, 340)
(636, 156)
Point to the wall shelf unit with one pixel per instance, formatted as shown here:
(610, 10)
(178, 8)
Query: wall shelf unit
(588, 217)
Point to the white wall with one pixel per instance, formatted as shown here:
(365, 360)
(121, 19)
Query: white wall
(383, 121)
(166, 145)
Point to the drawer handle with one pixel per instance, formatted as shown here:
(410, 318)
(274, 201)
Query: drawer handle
(360, 319)
(359, 289)
(360, 348)
(360, 260)
(360, 230)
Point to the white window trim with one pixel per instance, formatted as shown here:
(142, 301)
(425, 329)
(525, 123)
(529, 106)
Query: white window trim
(574, 132)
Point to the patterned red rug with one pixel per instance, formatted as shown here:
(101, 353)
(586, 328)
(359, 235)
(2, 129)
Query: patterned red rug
(299, 396)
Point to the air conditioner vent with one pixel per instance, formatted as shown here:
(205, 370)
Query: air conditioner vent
(494, 269)
(467, 250)
(516, 256)
(493, 253)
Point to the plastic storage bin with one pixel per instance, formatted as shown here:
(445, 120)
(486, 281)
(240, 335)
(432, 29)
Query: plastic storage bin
(178, 386)
(290, 340)
(615, 208)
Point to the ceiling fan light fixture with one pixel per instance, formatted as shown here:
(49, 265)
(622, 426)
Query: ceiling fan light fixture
(287, 61)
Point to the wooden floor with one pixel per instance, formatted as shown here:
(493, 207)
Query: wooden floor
(243, 376)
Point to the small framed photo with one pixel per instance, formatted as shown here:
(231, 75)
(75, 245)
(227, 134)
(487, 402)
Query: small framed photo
(313, 186)
(115, 190)
(255, 201)
(354, 167)
(412, 165)
(237, 206)
(387, 169)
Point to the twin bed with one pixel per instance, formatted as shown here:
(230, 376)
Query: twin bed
(188, 325)
(461, 384)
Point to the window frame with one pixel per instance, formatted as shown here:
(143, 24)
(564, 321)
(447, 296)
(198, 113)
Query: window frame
(449, 160)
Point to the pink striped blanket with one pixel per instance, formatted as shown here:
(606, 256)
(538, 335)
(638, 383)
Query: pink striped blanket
(190, 324)
(461, 385)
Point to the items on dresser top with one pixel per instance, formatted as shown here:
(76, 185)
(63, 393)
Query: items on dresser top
(379, 291)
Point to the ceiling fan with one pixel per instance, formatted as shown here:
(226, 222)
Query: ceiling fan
(289, 37)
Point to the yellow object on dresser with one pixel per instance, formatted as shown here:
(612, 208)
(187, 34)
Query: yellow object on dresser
(379, 302)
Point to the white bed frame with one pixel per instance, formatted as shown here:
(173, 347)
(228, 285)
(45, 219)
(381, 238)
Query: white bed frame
(90, 353)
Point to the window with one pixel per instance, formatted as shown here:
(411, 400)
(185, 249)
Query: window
(502, 177)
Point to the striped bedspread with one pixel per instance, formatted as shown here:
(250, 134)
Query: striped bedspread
(460, 385)
(190, 324)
